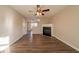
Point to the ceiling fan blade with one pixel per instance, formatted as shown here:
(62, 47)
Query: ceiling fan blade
(42, 13)
(45, 10)
(38, 6)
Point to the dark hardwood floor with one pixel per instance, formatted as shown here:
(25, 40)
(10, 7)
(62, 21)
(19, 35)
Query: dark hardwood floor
(39, 44)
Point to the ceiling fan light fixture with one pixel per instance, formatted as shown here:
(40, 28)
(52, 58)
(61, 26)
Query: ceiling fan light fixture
(38, 14)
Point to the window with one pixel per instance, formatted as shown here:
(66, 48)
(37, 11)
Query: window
(35, 24)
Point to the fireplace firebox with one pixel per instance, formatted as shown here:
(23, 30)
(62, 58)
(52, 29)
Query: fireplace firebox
(47, 31)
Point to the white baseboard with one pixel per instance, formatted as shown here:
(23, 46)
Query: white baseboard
(67, 43)
(15, 40)
(11, 43)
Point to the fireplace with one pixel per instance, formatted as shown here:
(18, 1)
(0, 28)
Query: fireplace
(47, 31)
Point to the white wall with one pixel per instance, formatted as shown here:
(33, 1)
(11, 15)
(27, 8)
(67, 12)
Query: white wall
(24, 26)
(11, 26)
(66, 26)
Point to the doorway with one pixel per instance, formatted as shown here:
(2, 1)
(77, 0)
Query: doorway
(30, 27)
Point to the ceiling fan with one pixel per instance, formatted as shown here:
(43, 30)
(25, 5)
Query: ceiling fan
(39, 11)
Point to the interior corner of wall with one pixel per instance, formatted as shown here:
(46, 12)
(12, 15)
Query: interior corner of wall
(77, 49)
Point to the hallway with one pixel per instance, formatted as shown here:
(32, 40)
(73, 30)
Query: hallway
(39, 44)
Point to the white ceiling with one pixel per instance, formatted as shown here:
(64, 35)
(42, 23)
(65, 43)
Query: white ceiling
(29, 10)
